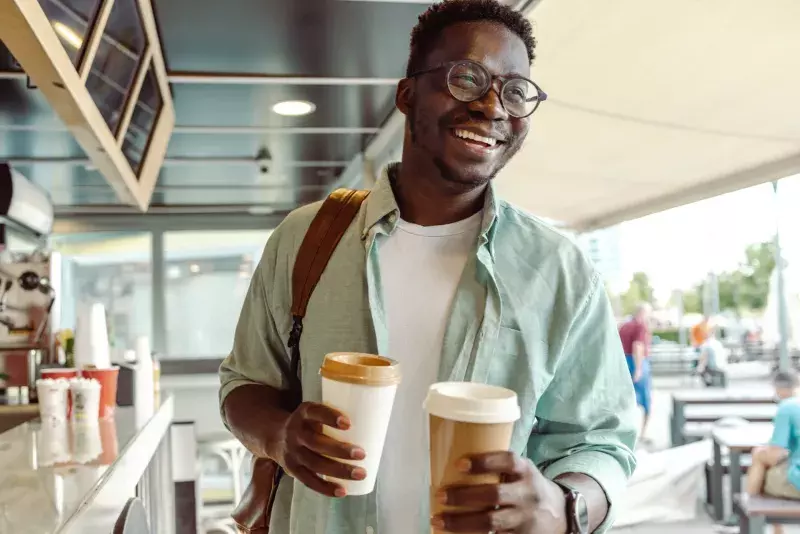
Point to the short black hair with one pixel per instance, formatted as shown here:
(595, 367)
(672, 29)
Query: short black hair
(786, 379)
(441, 15)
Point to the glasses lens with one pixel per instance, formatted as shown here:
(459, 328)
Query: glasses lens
(520, 97)
(468, 81)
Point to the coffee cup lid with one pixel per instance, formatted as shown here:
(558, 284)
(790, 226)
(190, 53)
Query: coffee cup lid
(471, 402)
(357, 368)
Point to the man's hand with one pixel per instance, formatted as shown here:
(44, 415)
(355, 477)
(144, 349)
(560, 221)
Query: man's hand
(307, 453)
(637, 375)
(524, 502)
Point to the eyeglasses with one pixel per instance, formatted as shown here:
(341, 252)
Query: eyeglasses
(469, 81)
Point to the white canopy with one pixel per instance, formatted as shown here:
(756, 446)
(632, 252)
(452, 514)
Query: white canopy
(657, 104)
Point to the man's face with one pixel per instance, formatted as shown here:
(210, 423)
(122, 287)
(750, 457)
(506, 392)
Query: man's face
(435, 116)
(784, 392)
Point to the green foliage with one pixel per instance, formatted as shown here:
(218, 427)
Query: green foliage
(638, 291)
(667, 335)
(745, 288)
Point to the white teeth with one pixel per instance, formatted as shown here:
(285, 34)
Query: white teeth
(470, 135)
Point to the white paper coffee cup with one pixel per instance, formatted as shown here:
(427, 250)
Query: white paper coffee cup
(52, 395)
(362, 386)
(465, 418)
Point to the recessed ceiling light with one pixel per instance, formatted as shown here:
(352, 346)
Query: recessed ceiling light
(294, 108)
(68, 34)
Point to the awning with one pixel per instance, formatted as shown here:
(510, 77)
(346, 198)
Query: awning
(653, 105)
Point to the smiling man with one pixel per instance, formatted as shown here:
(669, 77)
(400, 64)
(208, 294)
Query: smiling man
(455, 284)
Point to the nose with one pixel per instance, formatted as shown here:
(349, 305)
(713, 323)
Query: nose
(490, 105)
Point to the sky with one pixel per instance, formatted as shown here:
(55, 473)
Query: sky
(677, 248)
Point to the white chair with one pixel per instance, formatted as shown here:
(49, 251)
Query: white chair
(216, 518)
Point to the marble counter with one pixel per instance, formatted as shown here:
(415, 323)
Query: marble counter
(76, 478)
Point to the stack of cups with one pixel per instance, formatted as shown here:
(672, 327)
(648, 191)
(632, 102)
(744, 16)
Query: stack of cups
(52, 394)
(361, 386)
(466, 418)
(91, 337)
(85, 399)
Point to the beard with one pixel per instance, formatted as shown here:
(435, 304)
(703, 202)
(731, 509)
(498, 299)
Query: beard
(421, 127)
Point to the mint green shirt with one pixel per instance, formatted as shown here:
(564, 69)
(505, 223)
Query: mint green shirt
(530, 314)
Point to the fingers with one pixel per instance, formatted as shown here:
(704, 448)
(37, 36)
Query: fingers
(505, 463)
(325, 466)
(314, 482)
(327, 446)
(320, 413)
(484, 495)
(503, 519)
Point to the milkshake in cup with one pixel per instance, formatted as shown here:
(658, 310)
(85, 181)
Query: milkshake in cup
(362, 387)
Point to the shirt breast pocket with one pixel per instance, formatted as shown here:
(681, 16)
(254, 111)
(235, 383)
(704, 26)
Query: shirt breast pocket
(509, 366)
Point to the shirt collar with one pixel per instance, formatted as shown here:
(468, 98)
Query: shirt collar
(382, 206)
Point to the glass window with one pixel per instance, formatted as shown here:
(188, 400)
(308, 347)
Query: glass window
(207, 277)
(70, 20)
(114, 269)
(148, 106)
(117, 61)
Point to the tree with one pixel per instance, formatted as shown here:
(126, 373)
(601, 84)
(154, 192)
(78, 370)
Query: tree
(638, 291)
(745, 288)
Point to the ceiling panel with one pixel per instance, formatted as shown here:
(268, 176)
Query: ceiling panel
(251, 105)
(309, 37)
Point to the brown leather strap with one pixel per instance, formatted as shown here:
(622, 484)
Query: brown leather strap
(321, 239)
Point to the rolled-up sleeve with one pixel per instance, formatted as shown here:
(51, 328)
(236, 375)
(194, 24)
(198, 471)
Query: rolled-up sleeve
(586, 417)
(258, 355)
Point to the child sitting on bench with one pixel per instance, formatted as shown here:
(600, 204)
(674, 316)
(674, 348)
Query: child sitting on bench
(775, 470)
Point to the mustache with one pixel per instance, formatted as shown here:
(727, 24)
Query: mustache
(498, 129)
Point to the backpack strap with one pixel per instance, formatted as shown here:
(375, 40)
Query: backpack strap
(322, 237)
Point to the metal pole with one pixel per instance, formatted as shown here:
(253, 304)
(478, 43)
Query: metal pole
(681, 330)
(783, 318)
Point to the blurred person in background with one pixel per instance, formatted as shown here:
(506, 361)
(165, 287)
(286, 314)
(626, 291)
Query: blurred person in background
(775, 470)
(699, 333)
(635, 337)
(713, 357)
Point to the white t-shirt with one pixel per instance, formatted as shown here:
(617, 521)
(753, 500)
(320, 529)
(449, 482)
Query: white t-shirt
(420, 270)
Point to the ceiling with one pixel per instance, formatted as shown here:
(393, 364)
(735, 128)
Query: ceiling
(653, 105)
(228, 68)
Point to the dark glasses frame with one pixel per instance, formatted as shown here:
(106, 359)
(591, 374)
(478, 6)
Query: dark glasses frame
(450, 65)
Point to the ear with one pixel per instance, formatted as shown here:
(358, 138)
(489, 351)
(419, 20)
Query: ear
(404, 97)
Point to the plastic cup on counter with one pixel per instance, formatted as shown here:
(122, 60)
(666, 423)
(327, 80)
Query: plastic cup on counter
(52, 395)
(85, 399)
(65, 373)
(108, 388)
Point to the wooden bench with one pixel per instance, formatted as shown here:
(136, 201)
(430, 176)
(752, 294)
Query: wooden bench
(745, 462)
(755, 513)
(709, 405)
(739, 443)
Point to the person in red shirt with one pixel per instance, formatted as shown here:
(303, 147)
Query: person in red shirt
(635, 337)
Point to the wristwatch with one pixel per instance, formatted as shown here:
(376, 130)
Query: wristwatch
(577, 511)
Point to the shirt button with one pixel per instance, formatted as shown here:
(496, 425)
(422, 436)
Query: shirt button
(370, 530)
